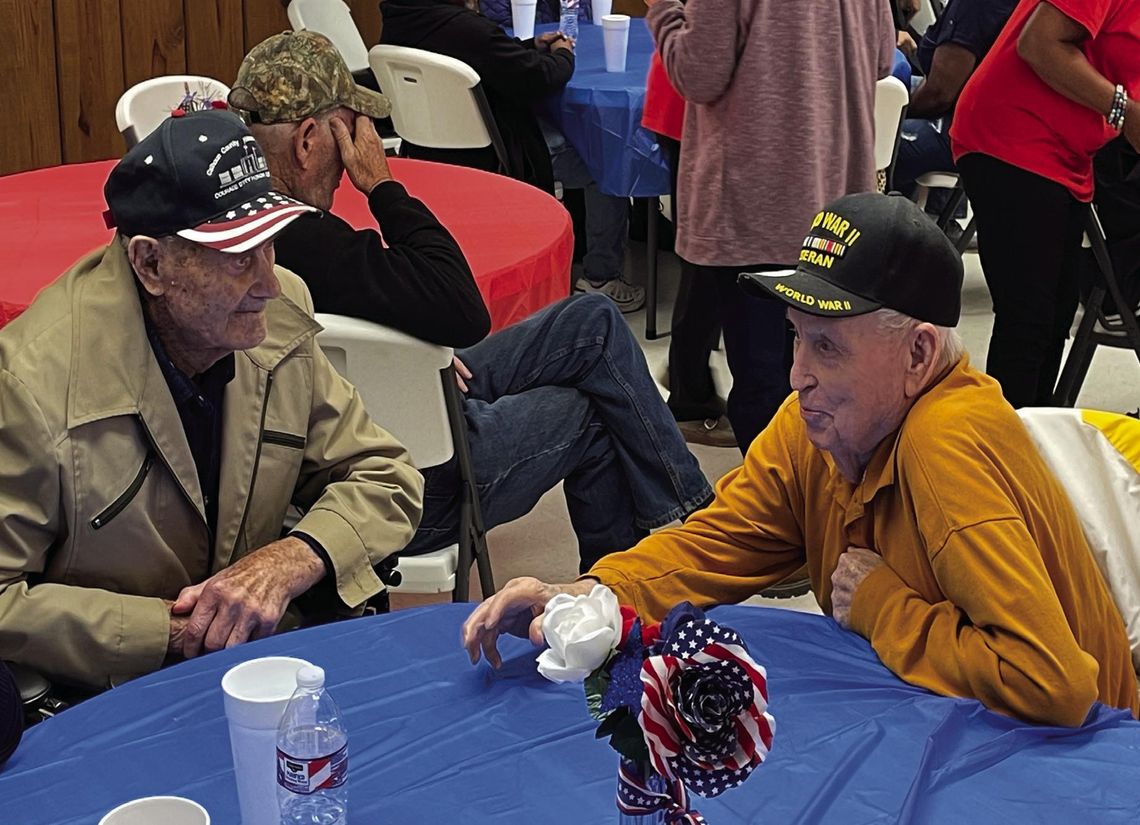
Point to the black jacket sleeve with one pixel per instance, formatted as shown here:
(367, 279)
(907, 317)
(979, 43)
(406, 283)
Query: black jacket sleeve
(419, 284)
(517, 71)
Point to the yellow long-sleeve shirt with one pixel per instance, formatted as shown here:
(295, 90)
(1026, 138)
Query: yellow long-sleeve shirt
(988, 590)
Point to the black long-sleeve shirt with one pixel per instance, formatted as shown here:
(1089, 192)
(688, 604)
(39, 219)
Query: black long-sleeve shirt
(419, 284)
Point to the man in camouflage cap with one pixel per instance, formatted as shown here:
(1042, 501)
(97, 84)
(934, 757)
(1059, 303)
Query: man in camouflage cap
(591, 416)
(293, 75)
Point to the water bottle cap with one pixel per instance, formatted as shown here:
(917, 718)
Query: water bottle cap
(310, 676)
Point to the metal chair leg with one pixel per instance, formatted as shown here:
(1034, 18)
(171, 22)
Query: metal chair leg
(651, 270)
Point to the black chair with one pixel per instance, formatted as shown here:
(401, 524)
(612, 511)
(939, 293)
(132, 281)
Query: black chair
(1119, 329)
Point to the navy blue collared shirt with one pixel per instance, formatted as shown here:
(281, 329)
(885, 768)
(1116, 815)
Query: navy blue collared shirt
(199, 404)
(971, 24)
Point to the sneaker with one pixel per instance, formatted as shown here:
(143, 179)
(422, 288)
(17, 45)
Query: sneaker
(713, 432)
(629, 298)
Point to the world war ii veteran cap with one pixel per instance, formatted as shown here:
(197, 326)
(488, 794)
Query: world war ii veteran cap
(866, 252)
(201, 176)
(291, 76)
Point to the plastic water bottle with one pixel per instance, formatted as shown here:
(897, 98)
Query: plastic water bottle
(312, 755)
(568, 21)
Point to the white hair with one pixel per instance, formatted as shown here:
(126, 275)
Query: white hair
(952, 346)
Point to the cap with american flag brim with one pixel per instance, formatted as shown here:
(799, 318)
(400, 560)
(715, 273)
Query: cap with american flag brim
(203, 177)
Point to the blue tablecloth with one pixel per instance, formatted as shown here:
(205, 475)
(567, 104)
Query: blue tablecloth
(434, 740)
(600, 114)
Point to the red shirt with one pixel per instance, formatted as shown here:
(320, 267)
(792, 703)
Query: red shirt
(1007, 112)
(664, 111)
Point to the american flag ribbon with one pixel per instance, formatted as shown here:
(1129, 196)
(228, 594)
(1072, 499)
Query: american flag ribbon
(707, 763)
(636, 798)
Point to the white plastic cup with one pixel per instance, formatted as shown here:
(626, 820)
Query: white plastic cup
(522, 18)
(158, 810)
(615, 31)
(256, 693)
(600, 9)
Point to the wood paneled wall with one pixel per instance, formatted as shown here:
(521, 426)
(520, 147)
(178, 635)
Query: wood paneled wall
(64, 63)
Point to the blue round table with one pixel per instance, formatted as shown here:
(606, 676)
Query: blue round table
(434, 740)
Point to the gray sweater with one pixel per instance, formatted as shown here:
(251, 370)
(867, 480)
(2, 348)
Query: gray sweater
(778, 119)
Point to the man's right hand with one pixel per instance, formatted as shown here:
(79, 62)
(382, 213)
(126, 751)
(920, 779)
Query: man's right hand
(552, 41)
(516, 609)
(363, 155)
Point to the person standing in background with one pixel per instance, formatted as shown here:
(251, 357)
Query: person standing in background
(1056, 87)
(693, 398)
(779, 118)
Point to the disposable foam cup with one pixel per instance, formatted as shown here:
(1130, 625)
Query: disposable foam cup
(256, 693)
(600, 9)
(151, 810)
(615, 31)
(522, 18)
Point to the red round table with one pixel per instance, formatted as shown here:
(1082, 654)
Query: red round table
(517, 239)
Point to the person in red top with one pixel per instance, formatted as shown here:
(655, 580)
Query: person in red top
(693, 398)
(1058, 84)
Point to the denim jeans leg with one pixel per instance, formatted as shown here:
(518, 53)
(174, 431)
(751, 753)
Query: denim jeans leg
(584, 343)
(924, 146)
(607, 216)
(521, 446)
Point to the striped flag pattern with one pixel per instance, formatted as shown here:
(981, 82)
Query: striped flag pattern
(709, 757)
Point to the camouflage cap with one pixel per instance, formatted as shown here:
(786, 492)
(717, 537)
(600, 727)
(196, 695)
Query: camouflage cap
(293, 75)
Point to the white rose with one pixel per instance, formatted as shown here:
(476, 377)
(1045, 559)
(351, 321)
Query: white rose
(581, 632)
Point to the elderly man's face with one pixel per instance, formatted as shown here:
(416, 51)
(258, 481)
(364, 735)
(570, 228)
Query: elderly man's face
(850, 378)
(217, 299)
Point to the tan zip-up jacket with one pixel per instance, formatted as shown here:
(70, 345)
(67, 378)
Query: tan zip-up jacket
(101, 513)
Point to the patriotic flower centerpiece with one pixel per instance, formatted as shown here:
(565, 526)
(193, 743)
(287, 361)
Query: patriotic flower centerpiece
(682, 702)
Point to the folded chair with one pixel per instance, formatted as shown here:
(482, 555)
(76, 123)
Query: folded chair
(1096, 457)
(409, 388)
(1097, 328)
(145, 105)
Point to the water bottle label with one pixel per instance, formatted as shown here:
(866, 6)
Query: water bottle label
(306, 776)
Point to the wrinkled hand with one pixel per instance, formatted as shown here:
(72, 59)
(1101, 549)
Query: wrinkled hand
(362, 154)
(244, 601)
(461, 374)
(517, 610)
(906, 44)
(854, 566)
(1132, 123)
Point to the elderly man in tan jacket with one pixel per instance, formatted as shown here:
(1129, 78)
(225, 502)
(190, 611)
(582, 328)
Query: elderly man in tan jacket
(161, 405)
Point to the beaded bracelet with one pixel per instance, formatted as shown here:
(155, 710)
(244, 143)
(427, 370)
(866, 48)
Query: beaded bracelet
(1115, 116)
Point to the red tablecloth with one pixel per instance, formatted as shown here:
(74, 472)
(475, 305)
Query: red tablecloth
(517, 239)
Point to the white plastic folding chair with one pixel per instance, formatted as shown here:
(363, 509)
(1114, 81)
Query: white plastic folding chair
(409, 388)
(437, 101)
(953, 182)
(891, 99)
(1096, 457)
(145, 105)
(333, 19)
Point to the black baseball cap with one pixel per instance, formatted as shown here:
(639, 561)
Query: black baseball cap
(201, 176)
(866, 252)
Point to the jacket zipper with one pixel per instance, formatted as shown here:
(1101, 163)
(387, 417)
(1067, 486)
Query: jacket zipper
(261, 439)
(118, 505)
(281, 439)
(155, 451)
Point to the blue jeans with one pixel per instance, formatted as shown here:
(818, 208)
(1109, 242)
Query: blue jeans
(565, 395)
(924, 146)
(607, 216)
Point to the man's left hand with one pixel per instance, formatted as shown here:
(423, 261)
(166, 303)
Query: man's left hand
(854, 566)
(247, 599)
(462, 374)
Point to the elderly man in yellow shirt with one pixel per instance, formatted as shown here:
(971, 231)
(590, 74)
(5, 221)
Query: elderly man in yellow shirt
(898, 473)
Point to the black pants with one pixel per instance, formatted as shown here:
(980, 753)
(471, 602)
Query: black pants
(1029, 238)
(695, 331)
(757, 343)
